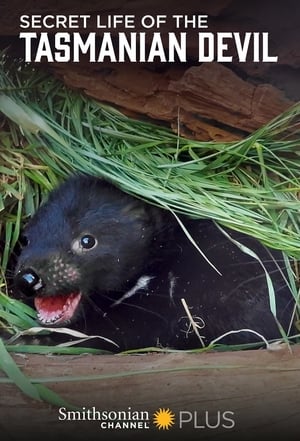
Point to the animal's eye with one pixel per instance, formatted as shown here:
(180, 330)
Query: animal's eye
(88, 241)
(23, 240)
(84, 244)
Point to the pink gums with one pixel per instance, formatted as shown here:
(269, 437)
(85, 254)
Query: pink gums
(57, 309)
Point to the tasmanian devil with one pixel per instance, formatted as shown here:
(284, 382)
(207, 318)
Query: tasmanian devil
(107, 263)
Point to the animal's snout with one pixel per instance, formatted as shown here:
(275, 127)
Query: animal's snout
(28, 282)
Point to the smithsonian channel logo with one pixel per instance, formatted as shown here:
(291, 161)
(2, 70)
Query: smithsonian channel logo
(161, 419)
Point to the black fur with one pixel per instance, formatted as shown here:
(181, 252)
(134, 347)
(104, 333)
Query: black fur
(136, 239)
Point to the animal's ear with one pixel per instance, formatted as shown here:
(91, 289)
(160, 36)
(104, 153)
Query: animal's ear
(135, 210)
(149, 214)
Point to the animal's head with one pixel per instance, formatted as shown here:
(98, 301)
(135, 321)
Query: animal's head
(89, 237)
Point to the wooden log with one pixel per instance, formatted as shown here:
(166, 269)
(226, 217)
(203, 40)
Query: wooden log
(260, 387)
(207, 102)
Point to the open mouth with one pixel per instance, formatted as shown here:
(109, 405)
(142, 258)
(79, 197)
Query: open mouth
(56, 310)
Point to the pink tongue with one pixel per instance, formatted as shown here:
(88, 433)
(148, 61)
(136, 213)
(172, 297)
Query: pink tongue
(56, 309)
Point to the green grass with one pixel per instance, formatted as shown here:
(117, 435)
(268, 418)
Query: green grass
(49, 132)
(251, 185)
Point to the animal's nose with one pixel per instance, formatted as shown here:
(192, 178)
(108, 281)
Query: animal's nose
(28, 282)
